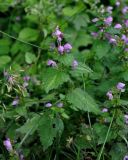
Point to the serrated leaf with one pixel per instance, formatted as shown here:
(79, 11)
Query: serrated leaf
(83, 68)
(101, 48)
(53, 78)
(66, 59)
(48, 130)
(112, 30)
(81, 100)
(80, 70)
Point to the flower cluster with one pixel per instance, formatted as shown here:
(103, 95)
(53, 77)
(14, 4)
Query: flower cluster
(16, 82)
(49, 105)
(120, 87)
(66, 48)
(61, 49)
(126, 157)
(106, 22)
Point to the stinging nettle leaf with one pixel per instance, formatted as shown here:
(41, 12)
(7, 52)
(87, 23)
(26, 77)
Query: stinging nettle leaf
(53, 78)
(81, 100)
(101, 48)
(48, 129)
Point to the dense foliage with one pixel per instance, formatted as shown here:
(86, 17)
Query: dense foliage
(64, 74)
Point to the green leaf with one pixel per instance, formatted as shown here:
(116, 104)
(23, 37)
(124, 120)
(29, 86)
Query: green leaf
(53, 78)
(66, 59)
(28, 34)
(31, 124)
(125, 75)
(48, 129)
(101, 48)
(80, 69)
(118, 151)
(70, 11)
(4, 46)
(81, 100)
(101, 131)
(81, 40)
(30, 57)
(113, 30)
(123, 102)
(4, 60)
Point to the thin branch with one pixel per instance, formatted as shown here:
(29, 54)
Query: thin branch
(33, 45)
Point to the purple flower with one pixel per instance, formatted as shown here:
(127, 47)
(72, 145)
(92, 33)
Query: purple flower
(101, 30)
(125, 10)
(109, 95)
(120, 86)
(74, 64)
(112, 41)
(108, 20)
(117, 3)
(126, 23)
(15, 101)
(51, 63)
(108, 36)
(125, 39)
(10, 80)
(26, 78)
(118, 26)
(21, 157)
(48, 105)
(6, 74)
(94, 34)
(126, 118)
(18, 18)
(67, 47)
(58, 34)
(126, 157)
(60, 104)
(104, 110)
(109, 9)
(8, 145)
(126, 50)
(61, 49)
(95, 20)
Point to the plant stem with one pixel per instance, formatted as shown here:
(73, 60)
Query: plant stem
(20, 40)
(102, 149)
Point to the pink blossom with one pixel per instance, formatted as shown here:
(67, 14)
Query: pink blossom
(109, 95)
(8, 145)
(61, 49)
(108, 20)
(51, 63)
(120, 86)
(118, 26)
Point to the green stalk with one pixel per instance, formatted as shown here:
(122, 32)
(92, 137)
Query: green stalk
(102, 149)
(8, 35)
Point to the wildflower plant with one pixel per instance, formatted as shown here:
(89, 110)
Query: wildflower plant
(63, 85)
